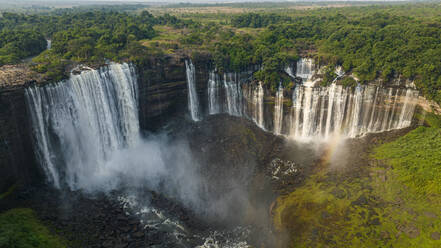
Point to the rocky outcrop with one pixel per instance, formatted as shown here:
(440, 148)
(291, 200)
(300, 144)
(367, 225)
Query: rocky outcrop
(16, 75)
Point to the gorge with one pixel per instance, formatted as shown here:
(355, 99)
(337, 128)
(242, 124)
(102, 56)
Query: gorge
(88, 136)
(220, 125)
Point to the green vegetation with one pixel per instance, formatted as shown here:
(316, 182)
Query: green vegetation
(371, 42)
(254, 20)
(394, 202)
(20, 228)
(430, 119)
(78, 36)
(16, 45)
(415, 158)
(378, 41)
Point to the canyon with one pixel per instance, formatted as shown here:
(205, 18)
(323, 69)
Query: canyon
(94, 131)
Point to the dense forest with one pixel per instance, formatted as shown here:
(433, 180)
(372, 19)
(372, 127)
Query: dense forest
(76, 36)
(370, 42)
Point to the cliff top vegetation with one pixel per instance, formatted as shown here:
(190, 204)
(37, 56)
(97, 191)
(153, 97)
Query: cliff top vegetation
(383, 41)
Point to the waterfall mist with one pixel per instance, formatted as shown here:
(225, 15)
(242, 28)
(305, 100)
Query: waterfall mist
(87, 137)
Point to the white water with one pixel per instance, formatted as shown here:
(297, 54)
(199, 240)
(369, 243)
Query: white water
(278, 111)
(305, 69)
(193, 102)
(257, 107)
(233, 94)
(214, 94)
(320, 112)
(79, 123)
(324, 111)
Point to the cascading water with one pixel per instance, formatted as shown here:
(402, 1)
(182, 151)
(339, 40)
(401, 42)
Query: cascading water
(79, 123)
(317, 112)
(257, 105)
(193, 102)
(305, 69)
(278, 111)
(233, 94)
(323, 111)
(214, 94)
(225, 93)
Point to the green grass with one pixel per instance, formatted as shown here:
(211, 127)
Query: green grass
(394, 203)
(20, 228)
(416, 159)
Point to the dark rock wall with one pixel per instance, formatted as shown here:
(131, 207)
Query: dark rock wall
(163, 90)
(17, 159)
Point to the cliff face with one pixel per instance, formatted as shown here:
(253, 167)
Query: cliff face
(17, 159)
(162, 95)
(163, 90)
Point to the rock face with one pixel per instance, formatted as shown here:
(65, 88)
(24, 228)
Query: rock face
(17, 160)
(163, 90)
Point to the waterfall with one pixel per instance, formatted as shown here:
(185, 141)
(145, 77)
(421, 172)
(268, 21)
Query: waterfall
(278, 111)
(193, 102)
(257, 103)
(225, 93)
(233, 94)
(297, 99)
(316, 112)
(305, 69)
(79, 123)
(323, 111)
(214, 94)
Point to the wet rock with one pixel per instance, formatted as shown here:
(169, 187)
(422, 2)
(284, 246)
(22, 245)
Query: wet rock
(122, 218)
(122, 245)
(124, 229)
(107, 244)
(138, 235)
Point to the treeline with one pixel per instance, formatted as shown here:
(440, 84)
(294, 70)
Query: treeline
(380, 45)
